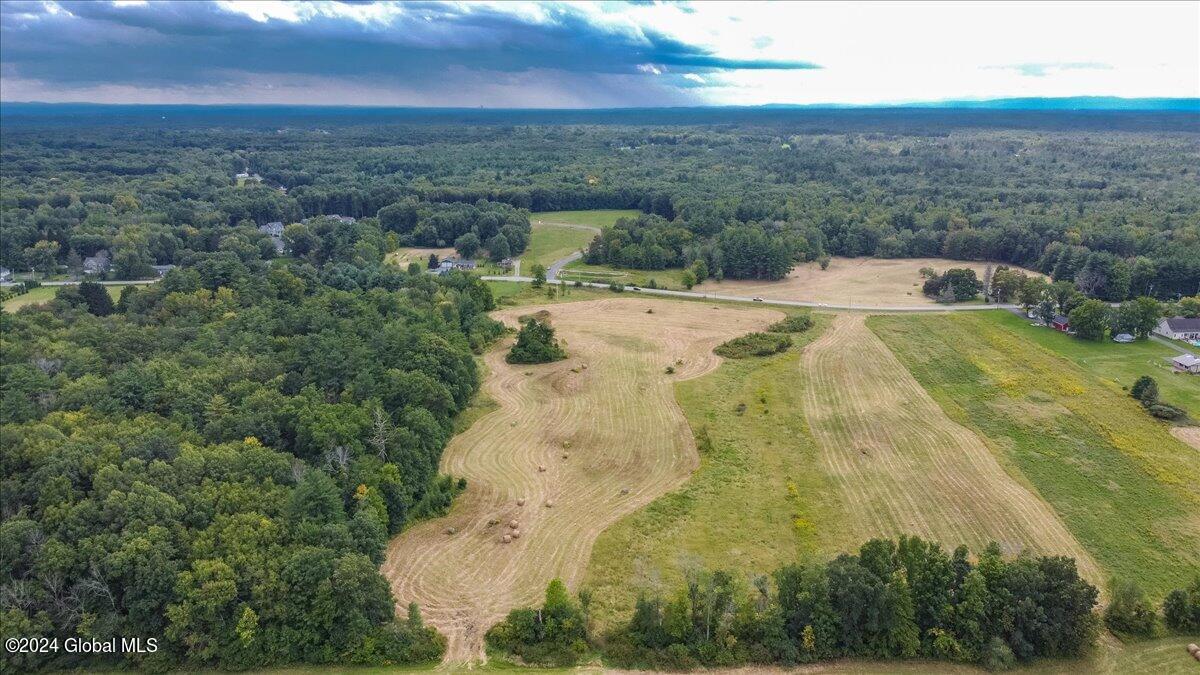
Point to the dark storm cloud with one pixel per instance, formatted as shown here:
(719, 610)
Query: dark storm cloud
(185, 44)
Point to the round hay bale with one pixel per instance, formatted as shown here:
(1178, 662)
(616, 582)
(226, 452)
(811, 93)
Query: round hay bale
(624, 491)
(506, 539)
(566, 455)
(521, 501)
(451, 530)
(513, 524)
(493, 522)
(541, 468)
(516, 534)
(1194, 650)
(549, 503)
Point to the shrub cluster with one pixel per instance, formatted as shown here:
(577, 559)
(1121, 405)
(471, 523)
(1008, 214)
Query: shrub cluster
(535, 343)
(1145, 389)
(753, 344)
(795, 323)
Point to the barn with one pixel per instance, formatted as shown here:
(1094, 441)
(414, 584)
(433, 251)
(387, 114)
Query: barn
(1060, 322)
(1186, 363)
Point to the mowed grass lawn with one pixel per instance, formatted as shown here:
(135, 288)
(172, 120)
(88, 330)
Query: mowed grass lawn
(1118, 364)
(1127, 490)
(600, 218)
(749, 507)
(46, 293)
(553, 242)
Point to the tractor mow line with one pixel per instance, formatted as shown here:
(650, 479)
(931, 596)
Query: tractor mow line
(573, 446)
(902, 466)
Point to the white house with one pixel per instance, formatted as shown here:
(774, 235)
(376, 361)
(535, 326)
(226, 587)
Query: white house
(1186, 363)
(1179, 328)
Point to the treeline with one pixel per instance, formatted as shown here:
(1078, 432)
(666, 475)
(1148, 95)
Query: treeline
(218, 460)
(499, 228)
(650, 242)
(892, 600)
(1009, 196)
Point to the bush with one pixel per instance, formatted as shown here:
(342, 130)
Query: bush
(535, 344)
(1129, 613)
(401, 642)
(754, 344)
(555, 635)
(796, 323)
(1145, 390)
(1181, 609)
(1165, 411)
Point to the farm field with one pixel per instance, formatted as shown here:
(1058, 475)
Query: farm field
(610, 408)
(1126, 489)
(899, 465)
(747, 506)
(46, 293)
(603, 274)
(869, 282)
(1119, 365)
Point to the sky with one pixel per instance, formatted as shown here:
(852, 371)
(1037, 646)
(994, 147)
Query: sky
(592, 54)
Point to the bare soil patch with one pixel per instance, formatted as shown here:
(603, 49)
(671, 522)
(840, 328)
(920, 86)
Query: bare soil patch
(1189, 435)
(866, 282)
(598, 436)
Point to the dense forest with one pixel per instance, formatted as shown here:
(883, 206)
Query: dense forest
(1110, 205)
(219, 459)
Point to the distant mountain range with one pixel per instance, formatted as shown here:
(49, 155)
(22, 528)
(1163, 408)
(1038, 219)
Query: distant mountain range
(1033, 103)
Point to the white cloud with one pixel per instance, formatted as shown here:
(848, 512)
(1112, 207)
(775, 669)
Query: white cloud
(649, 69)
(694, 78)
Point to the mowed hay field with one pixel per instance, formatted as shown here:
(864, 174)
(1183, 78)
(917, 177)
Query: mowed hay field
(753, 504)
(901, 466)
(403, 256)
(609, 408)
(861, 282)
(1124, 486)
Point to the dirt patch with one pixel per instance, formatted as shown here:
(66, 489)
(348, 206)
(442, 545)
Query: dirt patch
(903, 467)
(866, 282)
(1189, 435)
(598, 434)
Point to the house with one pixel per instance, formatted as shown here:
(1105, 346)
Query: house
(506, 264)
(448, 264)
(274, 230)
(1060, 322)
(97, 264)
(161, 270)
(1186, 363)
(1179, 328)
(5, 274)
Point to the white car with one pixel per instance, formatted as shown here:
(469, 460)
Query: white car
(757, 299)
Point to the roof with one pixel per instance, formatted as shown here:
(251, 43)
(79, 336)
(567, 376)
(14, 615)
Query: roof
(1178, 324)
(1186, 360)
(1059, 318)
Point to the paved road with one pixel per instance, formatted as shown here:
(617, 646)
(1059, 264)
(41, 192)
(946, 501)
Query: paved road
(557, 265)
(784, 303)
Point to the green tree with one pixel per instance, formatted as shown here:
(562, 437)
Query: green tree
(535, 344)
(1145, 389)
(96, 297)
(43, 256)
(1090, 320)
(539, 275)
(1128, 611)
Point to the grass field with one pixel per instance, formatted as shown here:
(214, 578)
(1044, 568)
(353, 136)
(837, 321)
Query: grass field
(1117, 364)
(403, 256)
(610, 408)
(1127, 490)
(598, 218)
(901, 466)
(554, 242)
(603, 274)
(46, 293)
(867, 282)
(747, 507)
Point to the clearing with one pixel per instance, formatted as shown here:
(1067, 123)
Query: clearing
(596, 218)
(748, 506)
(46, 293)
(1126, 489)
(401, 257)
(609, 408)
(901, 466)
(865, 282)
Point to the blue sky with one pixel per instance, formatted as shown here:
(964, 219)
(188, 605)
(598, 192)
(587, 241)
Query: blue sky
(601, 54)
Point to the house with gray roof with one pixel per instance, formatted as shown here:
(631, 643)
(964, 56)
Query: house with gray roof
(1179, 328)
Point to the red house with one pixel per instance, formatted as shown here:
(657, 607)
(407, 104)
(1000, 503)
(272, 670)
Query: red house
(1060, 322)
